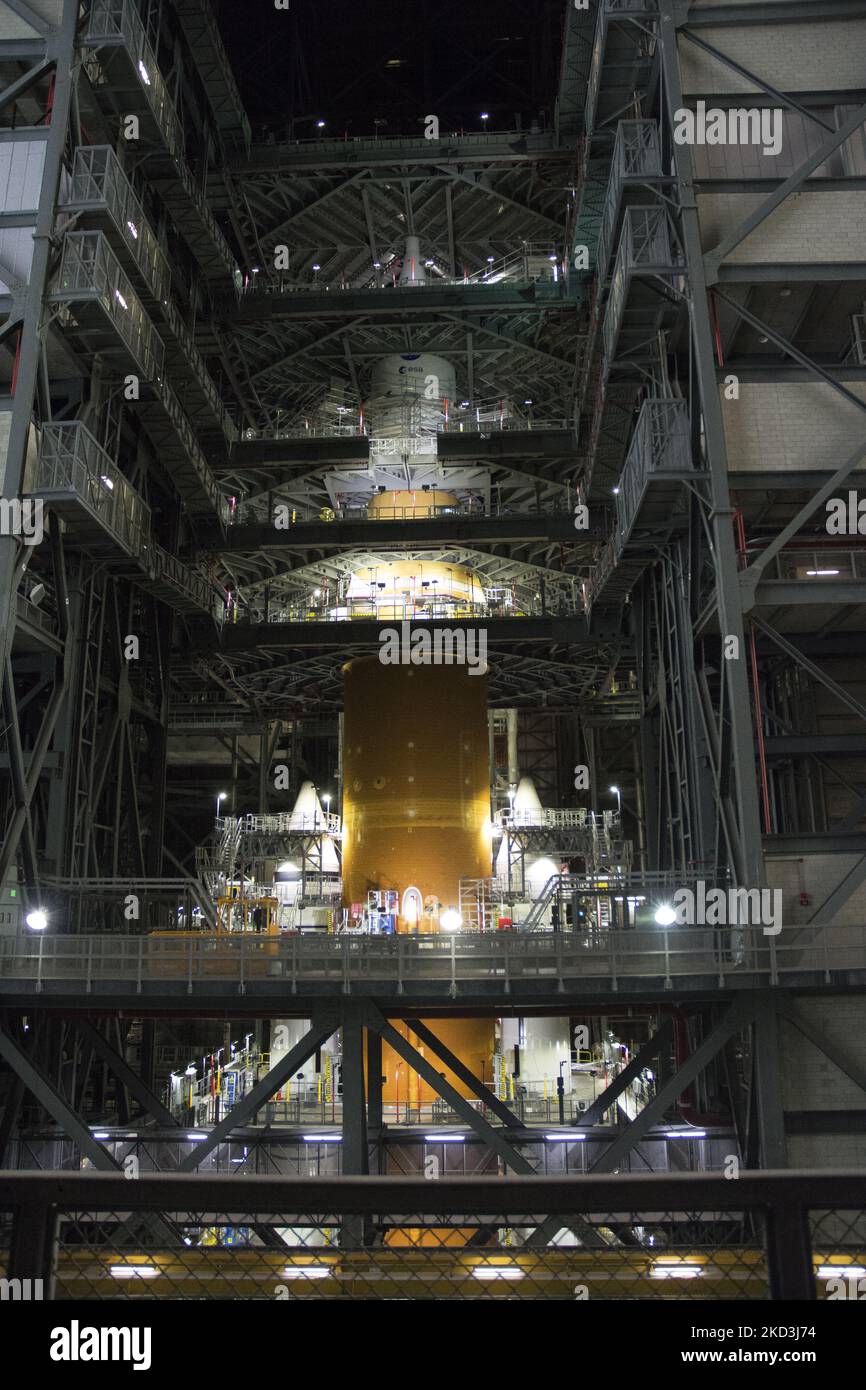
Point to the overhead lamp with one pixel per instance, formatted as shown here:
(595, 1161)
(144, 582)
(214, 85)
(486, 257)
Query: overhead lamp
(120, 299)
(485, 115)
(133, 1271)
(450, 920)
(840, 1272)
(615, 491)
(37, 920)
(322, 1138)
(812, 574)
(196, 1138)
(665, 915)
(320, 125)
(132, 227)
(143, 73)
(106, 481)
(675, 1271)
(498, 1272)
(558, 1138)
(307, 1272)
(553, 258)
(490, 260)
(444, 1138)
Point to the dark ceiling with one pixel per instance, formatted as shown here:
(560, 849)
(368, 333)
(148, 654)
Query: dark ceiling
(356, 64)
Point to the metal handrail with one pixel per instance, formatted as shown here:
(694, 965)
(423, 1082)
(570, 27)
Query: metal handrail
(719, 956)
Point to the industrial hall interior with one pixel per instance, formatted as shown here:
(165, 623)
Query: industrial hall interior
(433, 649)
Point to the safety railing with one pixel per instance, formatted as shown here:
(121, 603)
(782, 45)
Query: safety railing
(456, 423)
(608, 10)
(552, 288)
(71, 464)
(283, 823)
(394, 608)
(193, 450)
(98, 182)
(89, 269)
(450, 965)
(695, 1236)
(660, 444)
(197, 366)
(116, 23)
(558, 817)
(190, 586)
(636, 156)
(646, 248)
(261, 511)
(816, 566)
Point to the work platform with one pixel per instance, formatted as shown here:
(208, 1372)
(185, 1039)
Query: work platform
(533, 971)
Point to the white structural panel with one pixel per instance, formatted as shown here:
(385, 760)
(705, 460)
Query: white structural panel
(21, 165)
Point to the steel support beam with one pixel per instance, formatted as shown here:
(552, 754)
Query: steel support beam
(737, 1015)
(125, 1074)
(843, 696)
(324, 1025)
(720, 253)
(412, 1057)
(57, 1106)
(746, 847)
(355, 1153)
(620, 1083)
(462, 1072)
(12, 470)
(839, 1056)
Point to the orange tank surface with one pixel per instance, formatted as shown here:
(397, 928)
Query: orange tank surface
(416, 814)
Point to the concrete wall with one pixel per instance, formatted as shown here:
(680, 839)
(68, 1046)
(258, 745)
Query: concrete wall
(784, 426)
(827, 57)
(14, 26)
(810, 1081)
(812, 227)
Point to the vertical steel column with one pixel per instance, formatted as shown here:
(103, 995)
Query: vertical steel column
(789, 1254)
(355, 1155)
(770, 1114)
(748, 854)
(34, 1245)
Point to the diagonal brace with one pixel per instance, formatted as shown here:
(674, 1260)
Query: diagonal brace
(57, 1106)
(620, 1083)
(812, 669)
(736, 1017)
(125, 1074)
(376, 1021)
(460, 1070)
(324, 1026)
(837, 1055)
(719, 254)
